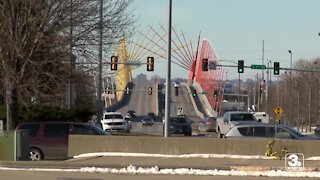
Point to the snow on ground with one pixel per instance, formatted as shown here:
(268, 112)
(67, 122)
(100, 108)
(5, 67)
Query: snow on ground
(178, 171)
(215, 156)
(205, 156)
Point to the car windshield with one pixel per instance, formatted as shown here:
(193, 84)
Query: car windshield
(242, 117)
(297, 133)
(178, 120)
(113, 116)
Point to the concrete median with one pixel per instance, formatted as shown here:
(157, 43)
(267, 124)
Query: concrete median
(185, 145)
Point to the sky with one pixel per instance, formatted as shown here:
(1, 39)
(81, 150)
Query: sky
(237, 30)
(131, 169)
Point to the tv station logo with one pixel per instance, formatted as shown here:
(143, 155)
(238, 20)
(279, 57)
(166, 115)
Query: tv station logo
(294, 161)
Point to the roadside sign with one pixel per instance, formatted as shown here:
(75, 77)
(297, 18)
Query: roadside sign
(258, 66)
(1, 128)
(278, 111)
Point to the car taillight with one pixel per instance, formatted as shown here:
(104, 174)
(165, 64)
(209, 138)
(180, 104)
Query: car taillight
(208, 122)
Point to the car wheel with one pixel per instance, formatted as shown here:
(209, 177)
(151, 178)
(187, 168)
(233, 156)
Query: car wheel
(35, 154)
(219, 134)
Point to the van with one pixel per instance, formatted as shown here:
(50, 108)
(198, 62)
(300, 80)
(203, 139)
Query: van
(49, 140)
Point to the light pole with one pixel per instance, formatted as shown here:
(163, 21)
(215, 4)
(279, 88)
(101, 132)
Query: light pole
(168, 76)
(290, 119)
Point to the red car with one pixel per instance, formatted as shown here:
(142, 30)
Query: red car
(49, 140)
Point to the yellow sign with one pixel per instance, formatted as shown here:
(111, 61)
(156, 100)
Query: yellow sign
(278, 111)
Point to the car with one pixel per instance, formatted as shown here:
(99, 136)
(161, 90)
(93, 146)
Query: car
(208, 124)
(115, 122)
(49, 140)
(147, 121)
(180, 125)
(317, 130)
(152, 115)
(131, 114)
(262, 130)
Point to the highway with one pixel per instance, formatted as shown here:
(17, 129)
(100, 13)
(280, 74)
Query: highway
(143, 103)
(140, 101)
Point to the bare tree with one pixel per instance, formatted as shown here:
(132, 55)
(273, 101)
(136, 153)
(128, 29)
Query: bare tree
(38, 37)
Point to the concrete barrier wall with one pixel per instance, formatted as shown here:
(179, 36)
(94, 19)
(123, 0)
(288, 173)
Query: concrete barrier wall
(176, 145)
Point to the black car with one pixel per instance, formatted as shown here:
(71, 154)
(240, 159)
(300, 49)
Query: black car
(180, 125)
(151, 114)
(147, 121)
(131, 114)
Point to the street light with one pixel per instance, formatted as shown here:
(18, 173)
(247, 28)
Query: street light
(290, 120)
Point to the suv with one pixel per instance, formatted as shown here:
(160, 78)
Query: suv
(180, 125)
(232, 118)
(114, 121)
(49, 140)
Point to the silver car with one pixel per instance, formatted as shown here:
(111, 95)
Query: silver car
(260, 130)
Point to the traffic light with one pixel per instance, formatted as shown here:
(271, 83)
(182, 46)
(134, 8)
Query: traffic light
(261, 88)
(194, 92)
(204, 64)
(114, 63)
(150, 90)
(150, 63)
(215, 93)
(240, 66)
(176, 90)
(107, 90)
(276, 68)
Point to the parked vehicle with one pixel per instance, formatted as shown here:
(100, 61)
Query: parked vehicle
(114, 121)
(232, 118)
(180, 125)
(262, 130)
(49, 140)
(208, 124)
(317, 130)
(147, 121)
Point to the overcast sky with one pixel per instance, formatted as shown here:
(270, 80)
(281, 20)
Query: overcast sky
(237, 28)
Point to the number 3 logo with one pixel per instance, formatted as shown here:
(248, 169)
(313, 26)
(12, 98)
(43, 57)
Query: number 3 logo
(294, 160)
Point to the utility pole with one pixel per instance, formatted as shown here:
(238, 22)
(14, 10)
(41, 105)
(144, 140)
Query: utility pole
(168, 77)
(262, 72)
(99, 90)
(290, 104)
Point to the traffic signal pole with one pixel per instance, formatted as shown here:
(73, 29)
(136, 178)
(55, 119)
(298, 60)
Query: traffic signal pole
(168, 77)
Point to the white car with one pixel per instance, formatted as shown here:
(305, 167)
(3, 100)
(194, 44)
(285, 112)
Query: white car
(114, 121)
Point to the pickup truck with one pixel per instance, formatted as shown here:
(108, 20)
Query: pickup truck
(232, 118)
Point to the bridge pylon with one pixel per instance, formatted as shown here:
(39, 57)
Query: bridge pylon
(123, 75)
